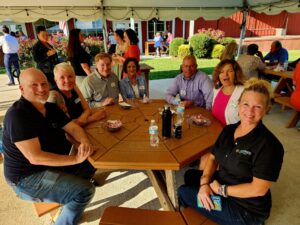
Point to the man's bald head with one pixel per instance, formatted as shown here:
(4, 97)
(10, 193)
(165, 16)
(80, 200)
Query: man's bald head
(34, 85)
(30, 73)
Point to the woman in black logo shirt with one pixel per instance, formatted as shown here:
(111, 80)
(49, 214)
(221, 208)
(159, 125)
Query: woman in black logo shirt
(248, 157)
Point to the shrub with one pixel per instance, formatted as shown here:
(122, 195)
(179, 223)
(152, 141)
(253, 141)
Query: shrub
(201, 44)
(217, 35)
(217, 51)
(60, 43)
(225, 41)
(183, 51)
(173, 49)
(93, 46)
(25, 53)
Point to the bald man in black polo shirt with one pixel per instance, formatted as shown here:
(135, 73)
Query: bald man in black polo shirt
(37, 163)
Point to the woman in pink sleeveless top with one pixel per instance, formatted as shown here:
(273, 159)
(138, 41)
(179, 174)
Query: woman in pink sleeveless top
(228, 78)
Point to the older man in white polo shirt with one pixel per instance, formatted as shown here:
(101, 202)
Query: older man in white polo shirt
(10, 47)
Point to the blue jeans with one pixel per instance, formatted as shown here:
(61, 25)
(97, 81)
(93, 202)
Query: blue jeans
(230, 214)
(74, 192)
(9, 60)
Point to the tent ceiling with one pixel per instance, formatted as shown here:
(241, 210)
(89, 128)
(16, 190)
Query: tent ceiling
(56, 10)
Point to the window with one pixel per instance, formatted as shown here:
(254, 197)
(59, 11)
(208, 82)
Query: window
(91, 28)
(154, 26)
(123, 25)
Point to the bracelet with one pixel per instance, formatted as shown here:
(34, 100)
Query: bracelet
(204, 184)
(223, 191)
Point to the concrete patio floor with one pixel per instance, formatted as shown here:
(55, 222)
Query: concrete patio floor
(133, 188)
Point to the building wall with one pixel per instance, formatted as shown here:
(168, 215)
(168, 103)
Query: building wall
(178, 28)
(29, 30)
(258, 24)
(293, 27)
(144, 33)
(291, 43)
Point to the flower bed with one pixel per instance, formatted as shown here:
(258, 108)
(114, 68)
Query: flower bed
(93, 46)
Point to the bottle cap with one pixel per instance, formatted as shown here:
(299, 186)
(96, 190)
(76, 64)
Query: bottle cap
(180, 109)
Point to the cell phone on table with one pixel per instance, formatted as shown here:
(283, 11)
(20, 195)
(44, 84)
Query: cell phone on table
(216, 201)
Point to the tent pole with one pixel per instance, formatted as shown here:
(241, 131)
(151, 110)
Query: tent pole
(104, 31)
(132, 23)
(104, 34)
(173, 27)
(192, 28)
(243, 28)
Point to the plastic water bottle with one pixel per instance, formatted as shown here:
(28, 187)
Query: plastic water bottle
(180, 113)
(145, 99)
(177, 99)
(153, 133)
(285, 65)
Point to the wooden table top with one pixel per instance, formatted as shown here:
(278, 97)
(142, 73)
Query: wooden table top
(129, 148)
(283, 74)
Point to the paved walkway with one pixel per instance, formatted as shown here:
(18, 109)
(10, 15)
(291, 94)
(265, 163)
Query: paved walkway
(8, 94)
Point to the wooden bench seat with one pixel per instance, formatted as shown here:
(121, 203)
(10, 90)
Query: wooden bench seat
(192, 217)
(285, 102)
(43, 208)
(128, 216)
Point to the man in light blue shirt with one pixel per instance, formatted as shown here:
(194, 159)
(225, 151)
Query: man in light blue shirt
(277, 54)
(10, 47)
(194, 87)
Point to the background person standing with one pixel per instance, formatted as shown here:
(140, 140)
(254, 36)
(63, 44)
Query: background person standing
(77, 55)
(45, 55)
(10, 47)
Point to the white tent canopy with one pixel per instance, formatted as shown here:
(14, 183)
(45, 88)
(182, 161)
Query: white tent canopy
(87, 10)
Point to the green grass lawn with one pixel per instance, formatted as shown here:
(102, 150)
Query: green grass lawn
(169, 67)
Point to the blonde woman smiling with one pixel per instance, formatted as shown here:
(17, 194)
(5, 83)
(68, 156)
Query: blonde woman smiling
(69, 98)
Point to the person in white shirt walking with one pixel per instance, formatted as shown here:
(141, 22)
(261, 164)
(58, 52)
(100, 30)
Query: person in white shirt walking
(10, 47)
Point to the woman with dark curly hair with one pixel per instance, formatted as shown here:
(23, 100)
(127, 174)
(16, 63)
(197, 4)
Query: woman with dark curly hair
(132, 86)
(228, 80)
(79, 58)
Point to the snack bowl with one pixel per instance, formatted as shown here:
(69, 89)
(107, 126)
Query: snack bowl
(113, 125)
(199, 120)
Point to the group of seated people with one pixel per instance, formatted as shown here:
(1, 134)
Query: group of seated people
(101, 88)
(241, 167)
